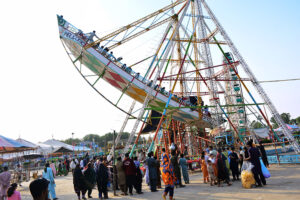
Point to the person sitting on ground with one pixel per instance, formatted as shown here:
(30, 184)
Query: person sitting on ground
(12, 193)
(39, 189)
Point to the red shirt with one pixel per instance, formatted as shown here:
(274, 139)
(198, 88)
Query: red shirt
(129, 167)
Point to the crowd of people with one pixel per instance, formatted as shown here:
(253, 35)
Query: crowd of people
(217, 166)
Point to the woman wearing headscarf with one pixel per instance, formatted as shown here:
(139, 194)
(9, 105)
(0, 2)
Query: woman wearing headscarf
(168, 176)
(254, 155)
(90, 176)
(102, 179)
(12, 193)
(139, 177)
(174, 161)
(221, 167)
(48, 174)
(79, 182)
(234, 164)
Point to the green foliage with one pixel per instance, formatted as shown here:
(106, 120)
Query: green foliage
(286, 117)
(256, 124)
(274, 123)
(298, 120)
(70, 141)
(99, 140)
(266, 140)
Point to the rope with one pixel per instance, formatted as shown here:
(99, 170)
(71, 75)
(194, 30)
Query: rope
(282, 80)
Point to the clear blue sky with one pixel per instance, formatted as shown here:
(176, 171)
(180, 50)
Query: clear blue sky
(42, 94)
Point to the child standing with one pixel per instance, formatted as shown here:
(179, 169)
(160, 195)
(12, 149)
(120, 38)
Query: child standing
(211, 172)
(204, 170)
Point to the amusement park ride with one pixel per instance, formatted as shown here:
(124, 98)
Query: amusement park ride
(191, 90)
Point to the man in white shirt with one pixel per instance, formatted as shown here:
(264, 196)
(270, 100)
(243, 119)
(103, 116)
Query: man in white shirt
(91, 36)
(82, 164)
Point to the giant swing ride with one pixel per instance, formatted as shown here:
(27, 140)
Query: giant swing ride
(189, 84)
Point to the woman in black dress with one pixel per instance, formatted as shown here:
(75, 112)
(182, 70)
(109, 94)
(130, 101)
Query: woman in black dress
(79, 182)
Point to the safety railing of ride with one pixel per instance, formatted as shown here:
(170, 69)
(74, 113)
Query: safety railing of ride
(118, 62)
(285, 159)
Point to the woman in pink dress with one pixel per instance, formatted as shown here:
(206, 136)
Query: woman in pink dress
(52, 166)
(12, 193)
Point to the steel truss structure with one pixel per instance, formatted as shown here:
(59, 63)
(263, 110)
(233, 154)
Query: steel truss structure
(196, 63)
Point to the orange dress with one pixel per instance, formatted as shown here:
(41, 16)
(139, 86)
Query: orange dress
(204, 169)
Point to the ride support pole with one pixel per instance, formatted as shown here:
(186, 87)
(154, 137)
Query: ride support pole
(181, 138)
(174, 132)
(248, 91)
(200, 145)
(160, 122)
(138, 136)
(165, 141)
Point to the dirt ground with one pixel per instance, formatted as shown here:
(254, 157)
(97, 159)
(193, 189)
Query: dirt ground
(283, 184)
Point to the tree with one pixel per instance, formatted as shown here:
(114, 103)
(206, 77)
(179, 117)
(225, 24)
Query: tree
(298, 120)
(286, 117)
(274, 123)
(256, 124)
(293, 121)
(92, 137)
(71, 141)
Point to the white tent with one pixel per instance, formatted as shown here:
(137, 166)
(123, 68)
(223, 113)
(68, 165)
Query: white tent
(44, 149)
(56, 143)
(261, 132)
(26, 143)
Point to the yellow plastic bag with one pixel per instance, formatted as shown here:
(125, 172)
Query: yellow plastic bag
(247, 179)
